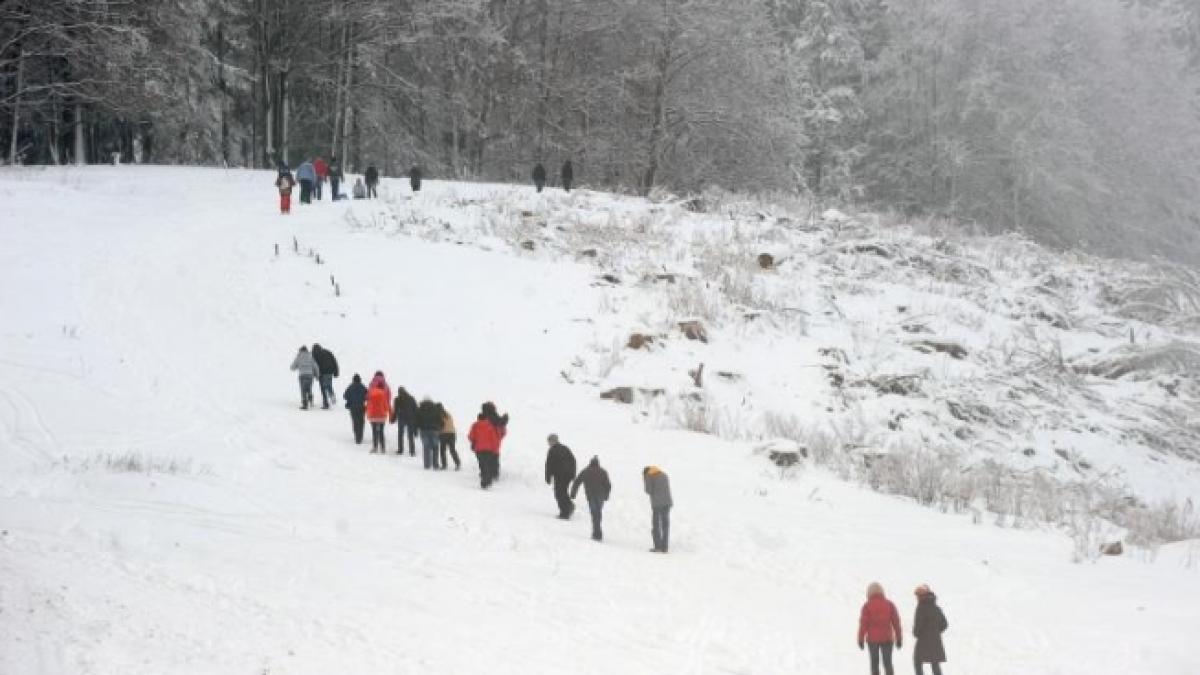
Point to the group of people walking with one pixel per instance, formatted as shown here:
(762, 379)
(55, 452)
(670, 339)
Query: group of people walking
(879, 630)
(312, 174)
(429, 421)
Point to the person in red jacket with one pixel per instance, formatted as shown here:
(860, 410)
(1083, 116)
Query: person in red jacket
(379, 408)
(879, 624)
(322, 170)
(485, 436)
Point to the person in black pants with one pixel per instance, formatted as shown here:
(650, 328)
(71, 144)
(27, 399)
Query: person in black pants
(597, 488)
(371, 177)
(560, 467)
(429, 423)
(404, 416)
(335, 178)
(355, 397)
(447, 439)
(539, 176)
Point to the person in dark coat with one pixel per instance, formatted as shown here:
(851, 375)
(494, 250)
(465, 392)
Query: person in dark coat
(658, 486)
(355, 397)
(404, 416)
(596, 487)
(335, 179)
(928, 625)
(371, 177)
(327, 369)
(560, 468)
(568, 175)
(429, 422)
(414, 178)
(539, 176)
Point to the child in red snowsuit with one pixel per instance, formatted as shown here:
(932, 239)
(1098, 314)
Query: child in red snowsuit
(285, 183)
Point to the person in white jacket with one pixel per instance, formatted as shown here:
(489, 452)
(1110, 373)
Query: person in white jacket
(306, 367)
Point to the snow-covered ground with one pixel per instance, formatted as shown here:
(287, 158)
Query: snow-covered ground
(146, 316)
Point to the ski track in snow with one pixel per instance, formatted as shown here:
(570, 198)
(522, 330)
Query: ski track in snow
(285, 548)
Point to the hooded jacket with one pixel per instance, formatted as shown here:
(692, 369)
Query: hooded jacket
(429, 418)
(326, 362)
(658, 486)
(321, 168)
(285, 183)
(306, 172)
(304, 364)
(485, 436)
(378, 405)
(594, 480)
(560, 464)
(380, 381)
(355, 395)
(928, 625)
(447, 421)
(879, 621)
(404, 408)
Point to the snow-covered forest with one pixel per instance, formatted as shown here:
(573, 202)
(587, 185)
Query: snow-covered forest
(1074, 121)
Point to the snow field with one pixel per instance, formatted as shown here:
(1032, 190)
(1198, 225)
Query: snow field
(145, 312)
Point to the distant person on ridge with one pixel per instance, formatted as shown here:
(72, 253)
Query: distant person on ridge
(322, 171)
(327, 369)
(414, 178)
(597, 488)
(404, 416)
(306, 368)
(658, 486)
(379, 408)
(568, 175)
(429, 423)
(371, 176)
(879, 624)
(447, 439)
(485, 437)
(335, 179)
(307, 176)
(359, 190)
(355, 397)
(560, 468)
(928, 625)
(285, 183)
(539, 176)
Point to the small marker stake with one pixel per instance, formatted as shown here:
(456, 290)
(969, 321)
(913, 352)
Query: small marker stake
(276, 249)
(337, 290)
(295, 245)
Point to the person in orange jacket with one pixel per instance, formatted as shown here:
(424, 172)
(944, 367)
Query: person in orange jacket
(379, 408)
(879, 624)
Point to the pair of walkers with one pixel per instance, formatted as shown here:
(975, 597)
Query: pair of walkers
(560, 470)
(319, 365)
(879, 630)
(567, 175)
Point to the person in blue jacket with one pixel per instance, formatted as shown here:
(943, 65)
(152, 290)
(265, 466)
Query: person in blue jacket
(355, 397)
(307, 176)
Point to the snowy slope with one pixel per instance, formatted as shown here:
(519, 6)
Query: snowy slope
(145, 312)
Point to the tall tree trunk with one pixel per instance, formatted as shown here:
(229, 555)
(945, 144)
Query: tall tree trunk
(338, 93)
(284, 112)
(222, 87)
(347, 100)
(80, 139)
(16, 113)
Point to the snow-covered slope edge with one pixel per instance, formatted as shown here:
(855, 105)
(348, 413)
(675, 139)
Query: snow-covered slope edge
(976, 373)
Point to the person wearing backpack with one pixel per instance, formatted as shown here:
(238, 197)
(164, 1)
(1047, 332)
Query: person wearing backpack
(285, 183)
(928, 625)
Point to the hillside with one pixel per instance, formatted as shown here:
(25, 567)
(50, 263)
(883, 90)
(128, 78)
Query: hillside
(166, 507)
